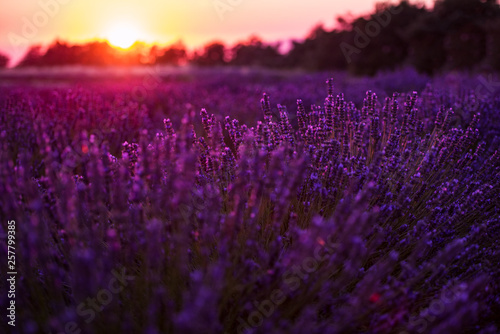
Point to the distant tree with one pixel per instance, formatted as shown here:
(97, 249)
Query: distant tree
(254, 52)
(173, 55)
(388, 48)
(101, 53)
(493, 44)
(465, 24)
(153, 54)
(319, 51)
(327, 53)
(343, 22)
(97, 53)
(342, 48)
(4, 60)
(460, 10)
(213, 54)
(455, 34)
(33, 57)
(427, 53)
(60, 53)
(466, 46)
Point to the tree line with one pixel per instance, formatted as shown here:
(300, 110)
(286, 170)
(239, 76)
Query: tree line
(453, 35)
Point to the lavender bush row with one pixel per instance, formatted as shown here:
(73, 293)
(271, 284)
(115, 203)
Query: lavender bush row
(381, 218)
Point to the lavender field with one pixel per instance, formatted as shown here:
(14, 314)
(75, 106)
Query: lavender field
(252, 202)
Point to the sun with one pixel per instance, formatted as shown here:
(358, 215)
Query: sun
(123, 35)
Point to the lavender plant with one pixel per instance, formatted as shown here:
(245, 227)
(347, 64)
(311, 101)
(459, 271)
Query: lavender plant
(377, 219)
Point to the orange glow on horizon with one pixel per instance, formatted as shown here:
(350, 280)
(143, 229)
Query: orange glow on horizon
(195, 22)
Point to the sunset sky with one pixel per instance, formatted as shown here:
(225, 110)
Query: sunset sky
(164, 21)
